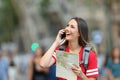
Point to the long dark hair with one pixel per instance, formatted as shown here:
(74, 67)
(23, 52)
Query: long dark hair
(83, 31)
(112, 54)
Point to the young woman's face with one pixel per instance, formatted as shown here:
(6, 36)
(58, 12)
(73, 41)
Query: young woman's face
(72, 30)
(116, 52)
(38, 52)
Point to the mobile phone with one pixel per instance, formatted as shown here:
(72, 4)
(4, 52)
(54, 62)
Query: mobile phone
(63, 35)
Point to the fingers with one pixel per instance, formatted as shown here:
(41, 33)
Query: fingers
(76, 69)
(75, 66)
(76, 72)
(61, 31)
(62, 41)
(58, 38)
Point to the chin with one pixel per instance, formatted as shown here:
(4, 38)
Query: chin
(68, 38)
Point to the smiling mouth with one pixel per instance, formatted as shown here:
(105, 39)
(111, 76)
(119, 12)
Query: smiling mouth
(67, 34)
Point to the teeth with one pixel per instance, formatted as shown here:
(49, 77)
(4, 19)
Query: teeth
(68, 34)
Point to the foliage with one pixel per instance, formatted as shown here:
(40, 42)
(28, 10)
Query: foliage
(8, 21)
(44, 8)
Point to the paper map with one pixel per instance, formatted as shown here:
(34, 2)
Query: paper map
(64, 62)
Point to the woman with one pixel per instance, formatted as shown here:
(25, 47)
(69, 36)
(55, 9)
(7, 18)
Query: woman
(75, 41)
(114, 63)
(35, 71)
(104, 72)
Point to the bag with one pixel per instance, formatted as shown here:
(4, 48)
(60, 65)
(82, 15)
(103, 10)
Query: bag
(85, 56)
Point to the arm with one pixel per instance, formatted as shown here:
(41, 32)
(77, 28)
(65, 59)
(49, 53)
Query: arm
(46, 70)
(109, 74)
(30, 71)
(77, 70)
(41, 69)
(47, 60)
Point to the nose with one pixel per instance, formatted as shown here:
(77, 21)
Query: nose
(66, 29)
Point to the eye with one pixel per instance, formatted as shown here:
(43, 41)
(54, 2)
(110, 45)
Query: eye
(72, 26)
(67, 25)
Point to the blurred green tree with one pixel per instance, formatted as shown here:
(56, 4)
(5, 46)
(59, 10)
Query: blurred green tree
(8, 21)
(44, 5)
(52, 18)
(110, 12)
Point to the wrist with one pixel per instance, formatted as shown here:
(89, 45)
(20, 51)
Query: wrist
(81, 75)
(56, 43)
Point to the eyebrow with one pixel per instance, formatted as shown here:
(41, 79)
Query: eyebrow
(72, 24)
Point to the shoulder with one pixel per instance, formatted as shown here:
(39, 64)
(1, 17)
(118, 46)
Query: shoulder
(92, 57)
(92, 61)
(92, 54)
(109, 62)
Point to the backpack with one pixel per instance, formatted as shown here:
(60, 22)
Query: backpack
(85, 55)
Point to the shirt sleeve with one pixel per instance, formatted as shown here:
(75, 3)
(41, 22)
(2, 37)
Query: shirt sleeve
(54, 54)
(92, 70)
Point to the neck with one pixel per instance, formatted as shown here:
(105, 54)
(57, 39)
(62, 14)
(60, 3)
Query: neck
(37, 57)
(73, 45)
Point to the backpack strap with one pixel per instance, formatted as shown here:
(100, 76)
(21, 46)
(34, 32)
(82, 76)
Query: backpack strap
(85, 56)
(62, 48)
